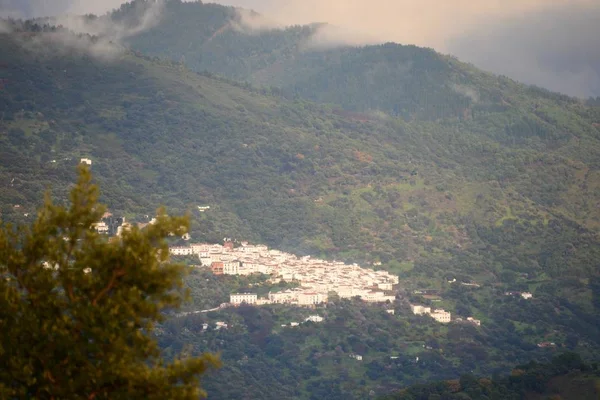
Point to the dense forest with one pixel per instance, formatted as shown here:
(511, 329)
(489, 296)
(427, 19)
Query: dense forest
(271, 359)
(303, 61)
(464, 176)
(565, 377)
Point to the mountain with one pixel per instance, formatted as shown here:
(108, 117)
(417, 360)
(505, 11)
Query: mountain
(306, 61)
(505, 196)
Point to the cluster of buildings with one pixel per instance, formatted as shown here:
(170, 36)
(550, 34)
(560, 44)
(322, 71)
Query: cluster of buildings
(111, 225)
(438, 314)
(316, 277)
(525, 295)
(311, 318)
(441, 316)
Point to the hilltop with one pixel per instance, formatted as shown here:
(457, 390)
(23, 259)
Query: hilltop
(504, 195)
(320, 63)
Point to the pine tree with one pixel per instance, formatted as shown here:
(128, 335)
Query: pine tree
(77, 311)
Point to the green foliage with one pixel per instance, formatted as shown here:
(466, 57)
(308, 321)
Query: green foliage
(402, 80)
(78, 310)
(398, 350)
(565, 377)
(504, 193)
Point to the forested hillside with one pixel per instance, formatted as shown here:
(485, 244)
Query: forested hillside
(504, 195)
(307, 61)
(565, 377)
(267, 358)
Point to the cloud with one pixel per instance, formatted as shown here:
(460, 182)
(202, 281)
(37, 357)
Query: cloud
(551, 44)
(324, 36)
(141, 18)
(548, 43)
(556, 48)
(23, 9)
(424, 22)
(250, 21)
(329, 36)
(108, 33)
(64, 43)
(96, 7)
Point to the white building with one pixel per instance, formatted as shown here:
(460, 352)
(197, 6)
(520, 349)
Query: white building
(125, 226)
(392, 312)
(180, 251)
(345, 291)
(239, 298)
(287, 296)
(474, 321)
(310, 298)
(357, 357)
(441, 316)
(314, 318)
(420, 310)
(101, 227)
(231, 268)
(385, 285)
(376, 297)
(221, 325)
(526, 295)
(86, 161)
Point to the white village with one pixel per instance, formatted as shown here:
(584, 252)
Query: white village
(315, 277)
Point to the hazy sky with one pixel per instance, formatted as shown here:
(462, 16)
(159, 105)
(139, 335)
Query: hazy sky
(552, 43)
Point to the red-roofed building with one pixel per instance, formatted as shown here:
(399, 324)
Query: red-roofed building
(217, 267)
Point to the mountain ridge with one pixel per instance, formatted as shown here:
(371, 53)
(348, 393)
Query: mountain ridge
(503, 196)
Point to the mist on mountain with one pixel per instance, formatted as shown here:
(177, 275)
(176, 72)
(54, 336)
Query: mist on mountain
(550, 45)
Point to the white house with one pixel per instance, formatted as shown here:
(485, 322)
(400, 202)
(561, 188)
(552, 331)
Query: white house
(239, 298)
(474, 321)
(101, 227)
(345, 291)
(310, 298)
(357, 357)
(231, 268)
(220, 324)
(441, 316)
(287, 296)
(86, 161)
(420, 310)
(526, 295)
(180, 251)
(314, 318)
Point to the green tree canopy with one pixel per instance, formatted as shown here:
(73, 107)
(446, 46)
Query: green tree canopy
(77, 310)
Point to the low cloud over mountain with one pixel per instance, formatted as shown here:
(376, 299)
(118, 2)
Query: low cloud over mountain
(552, 45)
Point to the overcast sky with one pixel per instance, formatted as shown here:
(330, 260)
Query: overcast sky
(552, 43)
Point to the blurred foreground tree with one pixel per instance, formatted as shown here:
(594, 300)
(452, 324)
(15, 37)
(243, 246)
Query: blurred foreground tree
(77, 310)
